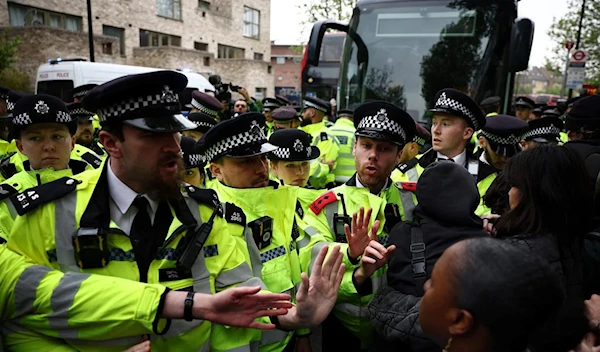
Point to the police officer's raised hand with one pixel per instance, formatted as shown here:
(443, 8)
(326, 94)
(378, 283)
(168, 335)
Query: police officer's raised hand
(317, 295)
(374, 257)
(238, 306)
(358, 236)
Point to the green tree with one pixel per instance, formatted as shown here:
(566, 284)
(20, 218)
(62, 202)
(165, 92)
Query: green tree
(316, 10)
(9, 48)
(565, 29)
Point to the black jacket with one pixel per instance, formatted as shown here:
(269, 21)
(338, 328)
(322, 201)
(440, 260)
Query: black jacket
(447, 199)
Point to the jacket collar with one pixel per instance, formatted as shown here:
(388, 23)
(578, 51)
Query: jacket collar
(354, 182)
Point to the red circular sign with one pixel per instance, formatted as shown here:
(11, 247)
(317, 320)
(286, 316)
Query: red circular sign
(579, 55)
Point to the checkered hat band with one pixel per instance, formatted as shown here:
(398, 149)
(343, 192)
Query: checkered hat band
(282, 153)
(233, 142)
(130, 105)
(204, 109)
(419, 140)
(10, 106)
(387, 125)
(510, 140)
(203, 124)
(24, 119)
(542, 131)
(309, 104)
(80, 94)
(81, 112)
(447, 103)
(195, 160)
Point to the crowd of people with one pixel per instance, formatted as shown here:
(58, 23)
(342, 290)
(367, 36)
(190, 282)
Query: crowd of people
(131, 220)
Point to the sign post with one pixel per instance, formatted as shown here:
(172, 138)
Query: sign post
(569, 46)
(576, 71)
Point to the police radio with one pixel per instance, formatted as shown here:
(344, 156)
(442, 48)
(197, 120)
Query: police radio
(193, 247)
(339, 222)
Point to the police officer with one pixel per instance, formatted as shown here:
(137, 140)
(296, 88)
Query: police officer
(291, 162)
(44, 133)
(382, 130)
(321, 171)
(455, 118)
(269, 105)
(193, 173)
(500, 140)
(130, 218)
(538, 112)
(204, 114)
(542, 131)
(85, 129)
(343, 130)
(285, 117)
(236, 151)
(78, 93)
(7, 99)
(283, 100)
(491, 106)
(524, 108)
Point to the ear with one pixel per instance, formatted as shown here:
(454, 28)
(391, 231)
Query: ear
(414, 148)
(111, 144)
(73, 142)
(215, 169)
(468, 133)
(19, 145)
(482, 142)
(523, 145)
(354, 147)
(462, 322)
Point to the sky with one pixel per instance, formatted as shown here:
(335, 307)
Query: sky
(286, 28)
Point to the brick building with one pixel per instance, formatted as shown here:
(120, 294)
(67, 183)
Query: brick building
(287, 70)
(225, 37)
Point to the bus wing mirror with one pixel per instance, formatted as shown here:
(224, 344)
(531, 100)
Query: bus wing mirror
(520, 45)
(316, 39)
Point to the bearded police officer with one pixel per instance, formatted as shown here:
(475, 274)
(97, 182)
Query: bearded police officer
(500, 140)
(85, 129)
(382, 130)
(321, 171)
(236, 151)
(455, 118)
(130, 218)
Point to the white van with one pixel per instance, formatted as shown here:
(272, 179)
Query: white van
(58, 77)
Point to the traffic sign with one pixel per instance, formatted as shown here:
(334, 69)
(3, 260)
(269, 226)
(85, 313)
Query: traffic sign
(569, 45)
(579, 56)
(575, 77)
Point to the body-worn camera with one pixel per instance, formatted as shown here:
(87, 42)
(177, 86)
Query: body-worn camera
(262, 231)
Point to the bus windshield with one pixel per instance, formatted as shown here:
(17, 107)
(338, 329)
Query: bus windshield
(417, 48)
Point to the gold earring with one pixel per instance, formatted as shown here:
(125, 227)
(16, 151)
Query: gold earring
(447, 348)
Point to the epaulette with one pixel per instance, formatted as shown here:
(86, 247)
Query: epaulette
(92, 159)
(234, 214)
(205, 196)
(407, 165)
(7, 191)
(7, 168)
(321, 202)
(324, 136)
(407, 186)
(31, 198)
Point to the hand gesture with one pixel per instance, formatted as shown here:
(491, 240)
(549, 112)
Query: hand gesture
(359, 238)
(330, 164)
(317, 295)
(244, 93)
(488, 223)
(374, 257)
(239, 307)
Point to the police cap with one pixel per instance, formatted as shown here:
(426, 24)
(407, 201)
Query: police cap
(347, 113)
(238, 138)
(270, 104)
(78, 112)
(490, 102)
(384, 121)
(294, 145)
(504, 134)
(550, 111)
(41, 108)
(422, 135)
(147, 101)
(544, 130)
(284, 114)
(202, 121)
(11, 98)
(283, 100)
(191, 157)
(206, 104)
(525, 102)
(456, 103)
(81, 91)
(316, 103)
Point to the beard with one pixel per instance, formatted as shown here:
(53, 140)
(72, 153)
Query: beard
(160, 189)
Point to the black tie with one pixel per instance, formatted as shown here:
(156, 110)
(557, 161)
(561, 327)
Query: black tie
(142, 238)
(451, 160)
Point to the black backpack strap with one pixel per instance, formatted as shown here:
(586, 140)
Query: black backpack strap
(417, 250)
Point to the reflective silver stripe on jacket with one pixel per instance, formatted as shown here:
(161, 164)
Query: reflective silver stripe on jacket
(408, 204)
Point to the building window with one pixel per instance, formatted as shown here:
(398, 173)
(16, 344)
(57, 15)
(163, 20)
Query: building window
(280, 60)
(201, 46)
(20, 16)
(230, 52)
(116, 32)
(269, 69)
(107, 48)
(149, 38)
(258, 56)
(169, 8)
(260, 93)
(207, 61)
(251, 22)
(203, 5)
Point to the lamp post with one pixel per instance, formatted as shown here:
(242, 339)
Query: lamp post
(90, 32)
